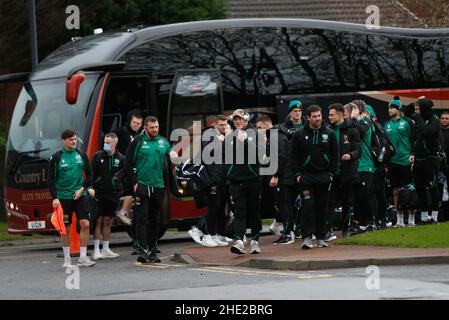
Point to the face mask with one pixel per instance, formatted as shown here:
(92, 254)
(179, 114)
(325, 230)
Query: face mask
(107, 147)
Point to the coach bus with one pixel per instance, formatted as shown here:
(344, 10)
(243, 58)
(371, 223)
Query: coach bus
(190, 71)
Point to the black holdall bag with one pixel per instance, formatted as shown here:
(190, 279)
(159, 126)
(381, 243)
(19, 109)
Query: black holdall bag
(408, 198)
(195, 179)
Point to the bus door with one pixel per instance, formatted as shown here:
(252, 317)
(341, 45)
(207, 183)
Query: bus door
(125, 92)
(195, 95)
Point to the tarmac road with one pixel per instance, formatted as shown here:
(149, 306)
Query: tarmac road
(34, 272)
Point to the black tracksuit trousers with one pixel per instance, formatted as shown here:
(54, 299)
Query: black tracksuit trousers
(216, 202)
(147, 212)
(425, 178)
(380, 196)
(342, 192)
(285, 204)
(315, 192)
(245, 202)
(364, 198)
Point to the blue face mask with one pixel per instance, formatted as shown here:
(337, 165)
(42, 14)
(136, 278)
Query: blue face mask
(107, 147)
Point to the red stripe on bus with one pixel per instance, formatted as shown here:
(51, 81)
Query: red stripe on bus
(95, 132)
(438, 94)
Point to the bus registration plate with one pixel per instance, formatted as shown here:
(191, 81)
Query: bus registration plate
(36, 225)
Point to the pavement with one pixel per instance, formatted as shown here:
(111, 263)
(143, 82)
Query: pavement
(292, 257)
(280, 257)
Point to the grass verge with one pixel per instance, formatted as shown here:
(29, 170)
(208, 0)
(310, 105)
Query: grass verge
(426, 236)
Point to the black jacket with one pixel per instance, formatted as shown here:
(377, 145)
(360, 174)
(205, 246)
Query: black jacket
(246, 171)
(349, 143)
(428, 138)
(216, 171)
(284, 170)
(314, 151)
(445, 133)
(125, 136)
(287, 127)
(103, 169)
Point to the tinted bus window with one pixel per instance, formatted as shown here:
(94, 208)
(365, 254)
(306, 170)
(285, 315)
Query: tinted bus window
(257, 64)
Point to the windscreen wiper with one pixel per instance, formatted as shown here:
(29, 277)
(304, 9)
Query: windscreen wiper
(15, 164)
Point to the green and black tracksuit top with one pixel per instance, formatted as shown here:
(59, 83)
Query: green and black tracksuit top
(247, 170)
(144, 163)
(348, 139)
(401, 133)
(314, 151)
(104, 167)
(365, 128)
(68, 171)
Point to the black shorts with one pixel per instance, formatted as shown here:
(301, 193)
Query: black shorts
(399, 176)
(106, 207)
(80, 207)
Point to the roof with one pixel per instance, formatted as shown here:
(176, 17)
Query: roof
(392, 12)
(110, 47)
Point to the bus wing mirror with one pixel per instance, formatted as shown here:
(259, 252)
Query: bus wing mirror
(73, 87)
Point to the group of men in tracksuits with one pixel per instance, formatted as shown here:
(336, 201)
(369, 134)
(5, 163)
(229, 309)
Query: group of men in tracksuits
(325, 167)
(319, 166)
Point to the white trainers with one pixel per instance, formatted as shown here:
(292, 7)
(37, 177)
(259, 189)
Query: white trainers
(399, 225)
(98, 255)
(208, 241)
(67, 263)
(219, 243)
(320, 243)
(196, 234)
(109, 254)
(123, 218)
(85, 262)
(255, 247)
(224, 239)
(276, 227)
(238, 247)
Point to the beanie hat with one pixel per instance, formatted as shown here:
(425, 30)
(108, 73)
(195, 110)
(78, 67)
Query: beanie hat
(425, 108)
(396, 102)
(294, 104)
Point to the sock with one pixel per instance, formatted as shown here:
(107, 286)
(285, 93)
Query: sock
(411, 218)
(106, 245)
(435, 216)
(400, 218)
(66, 252)
(424, 216)
(83, 251)
(97, 245)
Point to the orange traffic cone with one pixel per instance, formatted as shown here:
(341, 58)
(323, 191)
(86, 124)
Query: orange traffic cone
(74, 238)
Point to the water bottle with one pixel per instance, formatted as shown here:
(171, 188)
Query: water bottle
(381, 155)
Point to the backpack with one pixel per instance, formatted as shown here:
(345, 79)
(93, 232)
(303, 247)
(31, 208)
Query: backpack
(382, 149)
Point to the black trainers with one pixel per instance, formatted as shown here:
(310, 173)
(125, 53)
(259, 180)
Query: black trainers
(298, 234)
(284, 239)
(153, 258)
(142, 258)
